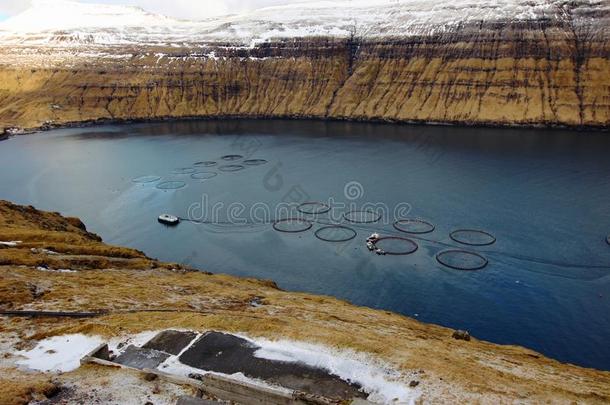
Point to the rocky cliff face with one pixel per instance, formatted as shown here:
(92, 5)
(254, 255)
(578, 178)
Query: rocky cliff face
(550, 70)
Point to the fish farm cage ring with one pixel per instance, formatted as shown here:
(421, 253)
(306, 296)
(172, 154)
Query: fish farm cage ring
(254, 162)
(413, 225)
(171, 185)
(313, 208)
(292, 225)
(461, 260)
(230, 158)
(472, 237)
(203, 175)
(207, 163)
(183, 170)
(402, 246)
(231, 168)
(362, 217)
(146, 179)
(335, 233)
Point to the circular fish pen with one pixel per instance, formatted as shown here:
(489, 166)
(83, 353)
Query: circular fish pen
(231, 158)
(461, 260)
(203, 175)
(146, 179)
(362, 217)
(171, 185)
(335, 233)
(254, 162)
(313, 208)
(292, 225)
(472, 237)
(231, 168)
(207, 163)
(396, 245)
(184, 170)
(413, 225)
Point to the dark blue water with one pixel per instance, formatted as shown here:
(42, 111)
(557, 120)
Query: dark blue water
(545, 196)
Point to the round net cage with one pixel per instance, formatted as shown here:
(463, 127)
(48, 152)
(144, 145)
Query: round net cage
(203, 175)
(413, 225)
(206, 163)
(335, 233)
(184, 170)
(395, 245)
(171, 185)
(146, 179)
(313, 208)
(292, 225)
(362, 217)
(254, 162)
(230, 158)
(231, 168)
(461, 260)
(472, 237)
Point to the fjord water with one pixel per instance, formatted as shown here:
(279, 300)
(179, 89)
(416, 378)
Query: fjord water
(544, 194)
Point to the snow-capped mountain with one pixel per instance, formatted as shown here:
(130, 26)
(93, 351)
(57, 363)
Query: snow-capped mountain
(496, 62)
(63, 22)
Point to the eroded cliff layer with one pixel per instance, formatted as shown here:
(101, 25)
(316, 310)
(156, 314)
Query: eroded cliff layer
(552, 70)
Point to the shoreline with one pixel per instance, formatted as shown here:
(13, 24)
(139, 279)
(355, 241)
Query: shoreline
(141, 120)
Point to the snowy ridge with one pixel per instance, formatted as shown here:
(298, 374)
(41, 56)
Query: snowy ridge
(63, 23)
(52, 15)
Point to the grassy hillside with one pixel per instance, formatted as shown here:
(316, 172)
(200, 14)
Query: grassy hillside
(142, 294)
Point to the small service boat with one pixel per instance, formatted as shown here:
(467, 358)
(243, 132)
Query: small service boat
(373, 238)
(168, 219)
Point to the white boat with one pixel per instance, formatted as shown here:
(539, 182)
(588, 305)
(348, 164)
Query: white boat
(169, 219)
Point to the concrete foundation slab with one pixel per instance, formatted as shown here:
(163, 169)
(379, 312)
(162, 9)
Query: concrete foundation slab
(170, 341)
(230, 354)
(140, 358)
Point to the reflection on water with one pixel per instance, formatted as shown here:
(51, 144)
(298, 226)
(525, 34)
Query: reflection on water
(543, 195)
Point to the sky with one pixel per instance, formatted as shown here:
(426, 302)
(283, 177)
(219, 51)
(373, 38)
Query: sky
(190, 9)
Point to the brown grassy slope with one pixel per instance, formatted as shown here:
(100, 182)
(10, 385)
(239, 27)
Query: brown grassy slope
(449, 370)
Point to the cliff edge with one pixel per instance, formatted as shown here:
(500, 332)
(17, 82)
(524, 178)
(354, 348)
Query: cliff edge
(51, 263)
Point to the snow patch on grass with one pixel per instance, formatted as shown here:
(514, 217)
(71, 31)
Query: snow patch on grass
(41, 268)
(137, 340)
(12, 243)
(58, 353)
